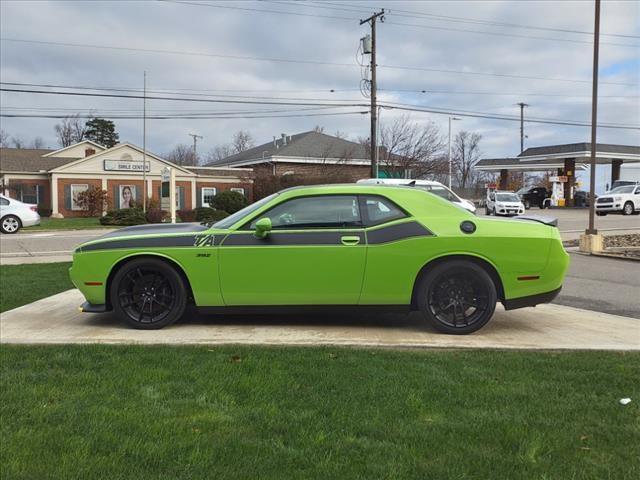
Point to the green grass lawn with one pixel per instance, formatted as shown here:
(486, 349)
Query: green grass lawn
(71, 223)
(287, 413)
(22, 284)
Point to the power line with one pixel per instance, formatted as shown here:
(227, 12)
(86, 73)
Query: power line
(280, 12)
(168, 117)
(179, 91)
(305, 62)
(451, 18)
(406, 107)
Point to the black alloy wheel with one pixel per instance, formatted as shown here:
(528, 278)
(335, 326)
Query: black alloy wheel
(457, 297)
(148, 294)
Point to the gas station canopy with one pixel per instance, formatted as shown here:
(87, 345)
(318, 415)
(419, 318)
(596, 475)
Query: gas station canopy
(565, 159)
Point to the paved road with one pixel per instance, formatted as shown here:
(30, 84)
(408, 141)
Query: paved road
(603, 285)
(57, 320)
(572, 222)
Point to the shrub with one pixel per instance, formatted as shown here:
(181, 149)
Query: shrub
(124, 216)
(229, 201)
(44, 211)
(156, 215)
(187, 215)
(201, 213)
(93, 200)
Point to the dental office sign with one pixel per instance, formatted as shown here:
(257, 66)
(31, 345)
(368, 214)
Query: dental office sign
(125, 166)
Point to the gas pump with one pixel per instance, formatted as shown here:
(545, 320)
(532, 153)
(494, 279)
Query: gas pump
(557, 192)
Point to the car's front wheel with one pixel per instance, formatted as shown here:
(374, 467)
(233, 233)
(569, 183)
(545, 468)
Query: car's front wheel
(627, 209)
(10, 224)
(457, 297)
(148, 294)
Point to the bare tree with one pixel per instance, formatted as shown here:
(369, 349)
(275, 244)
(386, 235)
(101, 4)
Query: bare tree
(341, 135)
(218, 153)
(409, 146)
(18, 142)
(318, 129)
(466, 153)
(38, 142)
(4, 139)
(182, 155)
(242, 141)
(70, 130)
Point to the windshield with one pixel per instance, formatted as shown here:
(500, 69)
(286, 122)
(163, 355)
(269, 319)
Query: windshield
(507, 197)
(625, 189)
(440, 191)
(523, 190)
(231, 219)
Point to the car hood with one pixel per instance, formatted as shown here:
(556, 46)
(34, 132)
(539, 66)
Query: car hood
(155, 229)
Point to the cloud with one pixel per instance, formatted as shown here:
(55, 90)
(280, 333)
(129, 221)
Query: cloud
(227, 31)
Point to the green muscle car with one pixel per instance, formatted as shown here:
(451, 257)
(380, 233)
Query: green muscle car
(327, 247)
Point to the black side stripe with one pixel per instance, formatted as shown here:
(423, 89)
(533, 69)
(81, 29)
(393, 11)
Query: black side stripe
(181, 241)
(397, 232)
(282, 238)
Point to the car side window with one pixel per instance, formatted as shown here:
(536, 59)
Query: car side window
(322, 211)
(4, 202)
(380, 210)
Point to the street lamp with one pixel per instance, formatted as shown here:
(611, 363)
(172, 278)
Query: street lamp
(450, 167)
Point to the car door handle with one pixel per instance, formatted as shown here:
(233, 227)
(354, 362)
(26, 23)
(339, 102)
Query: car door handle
(350, 240)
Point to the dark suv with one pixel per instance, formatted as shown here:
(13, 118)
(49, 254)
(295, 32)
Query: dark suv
(534, 196)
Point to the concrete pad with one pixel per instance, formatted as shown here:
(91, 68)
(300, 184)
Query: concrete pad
(57, 320)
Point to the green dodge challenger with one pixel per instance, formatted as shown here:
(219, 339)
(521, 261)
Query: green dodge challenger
(327, 247)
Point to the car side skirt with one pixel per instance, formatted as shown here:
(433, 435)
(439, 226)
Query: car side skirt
(531, 300)
(302, 309)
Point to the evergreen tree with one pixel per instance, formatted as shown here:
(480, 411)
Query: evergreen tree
(102, 132)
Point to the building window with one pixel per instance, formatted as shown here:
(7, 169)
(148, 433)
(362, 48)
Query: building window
(76, 189)
(239, 190)
(30, 194)
(207, 196)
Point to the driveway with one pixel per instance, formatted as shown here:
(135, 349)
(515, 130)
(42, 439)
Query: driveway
(57, 320)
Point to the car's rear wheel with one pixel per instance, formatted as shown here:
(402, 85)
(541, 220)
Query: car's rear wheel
(10, 224)
(627, 209)
(457, 297)
(148, 294)
(487, 211)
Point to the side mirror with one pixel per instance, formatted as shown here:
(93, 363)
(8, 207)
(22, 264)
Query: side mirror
(263, 227)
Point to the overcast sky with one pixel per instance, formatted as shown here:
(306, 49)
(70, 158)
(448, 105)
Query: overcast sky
(325, 32)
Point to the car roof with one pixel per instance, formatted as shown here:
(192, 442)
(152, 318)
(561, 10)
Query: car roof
(397, 181)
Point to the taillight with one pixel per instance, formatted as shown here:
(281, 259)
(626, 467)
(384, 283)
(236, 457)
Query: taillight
(33, 208)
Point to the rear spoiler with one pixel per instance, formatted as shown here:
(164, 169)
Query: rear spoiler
(551, 221)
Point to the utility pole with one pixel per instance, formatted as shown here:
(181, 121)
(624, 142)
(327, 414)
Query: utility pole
(195, 141)
(522, 106)
(144, 144)
(594, 120)
(450, 160)
(374, 108)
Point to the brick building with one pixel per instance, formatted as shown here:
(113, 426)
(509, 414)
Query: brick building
(52, 179)
(309, 154)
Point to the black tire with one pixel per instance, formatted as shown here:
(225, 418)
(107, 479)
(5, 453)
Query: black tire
(601, 214)
(527, 204)
(139, 284)
(494, 213)
(10, 224)
(487, 211)
(444, 291)
(627, 209)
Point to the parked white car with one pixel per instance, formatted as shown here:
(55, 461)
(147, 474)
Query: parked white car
(14, 215)
(503, 203)
(430, 186)
(624, 200)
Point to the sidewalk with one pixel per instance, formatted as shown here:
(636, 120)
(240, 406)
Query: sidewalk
(550, 327)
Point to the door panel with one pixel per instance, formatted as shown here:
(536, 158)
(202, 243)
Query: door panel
(303, 267)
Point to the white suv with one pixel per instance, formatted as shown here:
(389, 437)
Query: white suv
(503, 203)
(430, 186)
(14, 215)
(624, 200)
